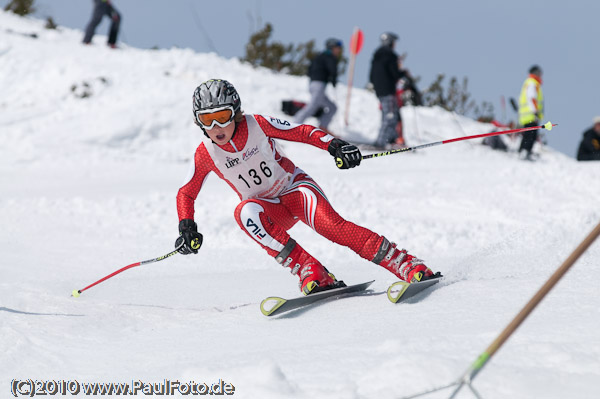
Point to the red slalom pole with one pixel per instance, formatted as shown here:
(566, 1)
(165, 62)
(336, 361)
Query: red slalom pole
(76, 293)
(547, 126)
(356, 42)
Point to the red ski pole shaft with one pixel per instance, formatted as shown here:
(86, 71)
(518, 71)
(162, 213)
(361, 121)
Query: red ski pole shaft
(76, 293)
(547, 126)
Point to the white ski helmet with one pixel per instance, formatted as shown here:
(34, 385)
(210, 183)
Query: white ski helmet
(215, 93)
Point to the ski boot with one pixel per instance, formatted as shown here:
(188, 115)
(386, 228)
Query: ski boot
(403, 265)
(314, 277)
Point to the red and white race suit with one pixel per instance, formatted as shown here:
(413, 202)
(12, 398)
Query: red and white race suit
(275, 193)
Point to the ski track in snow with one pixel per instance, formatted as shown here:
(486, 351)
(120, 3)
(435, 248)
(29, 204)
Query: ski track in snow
(89, 185)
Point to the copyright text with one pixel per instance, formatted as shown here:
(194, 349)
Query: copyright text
(31, 388)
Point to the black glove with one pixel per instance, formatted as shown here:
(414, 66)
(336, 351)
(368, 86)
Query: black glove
(189, 237)
(346, 155)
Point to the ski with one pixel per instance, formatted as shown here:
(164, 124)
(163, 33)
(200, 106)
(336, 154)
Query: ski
(402, 290)
(275, 305)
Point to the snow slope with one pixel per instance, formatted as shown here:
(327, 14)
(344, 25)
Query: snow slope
(89, 185)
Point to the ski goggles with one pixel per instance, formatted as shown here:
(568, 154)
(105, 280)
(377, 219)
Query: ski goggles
(221, 116)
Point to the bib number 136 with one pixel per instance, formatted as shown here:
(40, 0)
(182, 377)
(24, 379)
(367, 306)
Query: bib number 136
(256, 179)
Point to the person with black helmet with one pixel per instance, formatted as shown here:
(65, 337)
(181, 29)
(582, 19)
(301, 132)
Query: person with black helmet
(323, 69)
(275, 194)
(384, 75)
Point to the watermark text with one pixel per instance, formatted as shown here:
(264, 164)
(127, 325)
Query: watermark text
(31, 388)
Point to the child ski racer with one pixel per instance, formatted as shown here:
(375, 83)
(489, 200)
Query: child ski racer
(275, 194)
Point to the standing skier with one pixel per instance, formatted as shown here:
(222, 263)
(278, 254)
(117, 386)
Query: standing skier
(242, 150)
(102, 8)
(323, 69)
(384, 75)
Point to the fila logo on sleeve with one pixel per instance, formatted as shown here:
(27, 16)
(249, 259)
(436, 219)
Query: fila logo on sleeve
(280, 124)
(257, 231)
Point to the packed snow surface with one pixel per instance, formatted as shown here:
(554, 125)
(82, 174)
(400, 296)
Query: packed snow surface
(94, 144)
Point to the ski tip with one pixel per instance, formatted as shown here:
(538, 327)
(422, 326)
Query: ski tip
(401, 290)
(396, 290)
(76, 293)
(271, 304)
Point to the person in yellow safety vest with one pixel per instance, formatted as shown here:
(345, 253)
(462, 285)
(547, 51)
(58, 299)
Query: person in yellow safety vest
(531, 109)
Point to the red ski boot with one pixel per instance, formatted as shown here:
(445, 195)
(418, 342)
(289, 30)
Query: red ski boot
(403, 265)
(313, 275)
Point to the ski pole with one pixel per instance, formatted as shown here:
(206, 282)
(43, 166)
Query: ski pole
(76, 293)
(482, 360)
(547, 126)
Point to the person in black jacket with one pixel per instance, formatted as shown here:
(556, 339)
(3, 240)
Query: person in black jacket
(322, 70)
(589, 149)
(102, 8)
(384, 75)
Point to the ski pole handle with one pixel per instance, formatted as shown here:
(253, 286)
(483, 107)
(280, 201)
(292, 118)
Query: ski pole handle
(76, 293)
(547, 126)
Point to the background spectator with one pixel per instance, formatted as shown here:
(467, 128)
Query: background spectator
(384, 75)
(322, 70)
(102, 8)
(531, 109)
(589, 149)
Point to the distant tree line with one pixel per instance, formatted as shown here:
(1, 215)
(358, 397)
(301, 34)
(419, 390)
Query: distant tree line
(26, 7)
(20, 7)
(291, 59)
(456, 98)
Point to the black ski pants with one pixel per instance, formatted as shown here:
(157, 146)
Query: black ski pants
(529, 138)
(101, 9)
